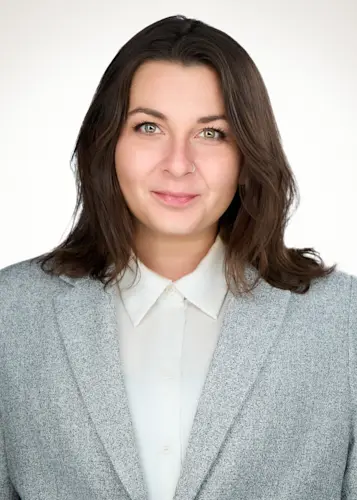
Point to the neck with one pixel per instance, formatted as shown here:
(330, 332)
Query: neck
(173, 256)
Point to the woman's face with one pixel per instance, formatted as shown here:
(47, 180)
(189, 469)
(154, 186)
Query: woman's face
(167, 130)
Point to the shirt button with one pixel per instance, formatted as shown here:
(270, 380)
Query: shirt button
(170, 289)
(166, 450)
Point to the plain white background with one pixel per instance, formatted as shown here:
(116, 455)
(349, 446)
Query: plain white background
(53, 54)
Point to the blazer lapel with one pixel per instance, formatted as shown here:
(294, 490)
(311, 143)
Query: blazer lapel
(250, 329)
(87, 322)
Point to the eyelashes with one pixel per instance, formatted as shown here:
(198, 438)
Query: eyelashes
(221, 132)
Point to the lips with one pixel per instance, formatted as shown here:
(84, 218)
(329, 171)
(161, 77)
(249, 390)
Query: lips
(174, 199)
(176, 195)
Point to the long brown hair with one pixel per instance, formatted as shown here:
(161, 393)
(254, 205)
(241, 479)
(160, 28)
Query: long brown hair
(102, 240)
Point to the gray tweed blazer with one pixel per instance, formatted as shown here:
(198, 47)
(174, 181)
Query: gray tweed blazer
(276, 419)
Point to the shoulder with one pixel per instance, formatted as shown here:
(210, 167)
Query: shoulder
(326, 305)
(330, 303)
(20, 271)
(352, 296)
(24, 273)
(330, 297)
(335, 287)
(25, 283)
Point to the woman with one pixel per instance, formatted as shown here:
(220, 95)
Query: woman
(172, 345)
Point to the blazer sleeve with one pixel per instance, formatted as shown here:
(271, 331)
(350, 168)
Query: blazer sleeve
(349, 489)
(7, 491)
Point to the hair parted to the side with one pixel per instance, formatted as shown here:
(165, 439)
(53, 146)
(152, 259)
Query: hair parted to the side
(101, 242)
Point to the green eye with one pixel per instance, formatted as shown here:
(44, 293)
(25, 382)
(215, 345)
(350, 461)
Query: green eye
(213, 133)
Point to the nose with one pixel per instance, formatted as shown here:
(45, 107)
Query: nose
(179, 161)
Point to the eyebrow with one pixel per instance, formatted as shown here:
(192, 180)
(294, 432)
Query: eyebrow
(161, 116)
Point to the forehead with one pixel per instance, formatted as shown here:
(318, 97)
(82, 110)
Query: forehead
(167, 85)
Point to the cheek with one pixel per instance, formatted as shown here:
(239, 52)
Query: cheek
(223, 162)
(132, 163)
(126, 165)
(222, 178)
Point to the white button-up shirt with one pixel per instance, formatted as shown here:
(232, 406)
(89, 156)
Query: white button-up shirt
(167, 333)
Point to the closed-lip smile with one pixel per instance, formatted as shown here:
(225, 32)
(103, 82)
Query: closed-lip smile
(178, 194)
(178, 199)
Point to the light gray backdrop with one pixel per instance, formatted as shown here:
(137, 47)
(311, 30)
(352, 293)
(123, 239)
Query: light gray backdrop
(52, 55)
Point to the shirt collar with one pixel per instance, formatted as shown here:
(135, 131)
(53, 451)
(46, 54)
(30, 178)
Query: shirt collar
(205, 287)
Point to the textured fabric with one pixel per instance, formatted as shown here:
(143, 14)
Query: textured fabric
(167, 335)
(276, 418)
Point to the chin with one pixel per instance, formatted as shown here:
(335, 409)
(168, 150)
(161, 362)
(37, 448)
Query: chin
(174, 229)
